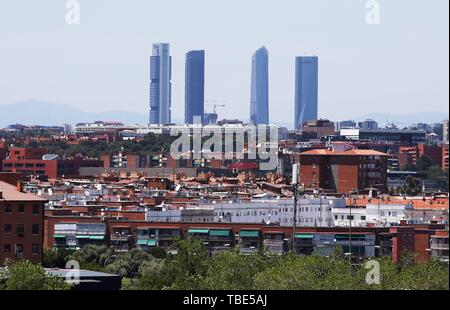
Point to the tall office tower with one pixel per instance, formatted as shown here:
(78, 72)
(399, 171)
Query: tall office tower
(194, 103)
(306, 90)
(259, 101)
(160, 84)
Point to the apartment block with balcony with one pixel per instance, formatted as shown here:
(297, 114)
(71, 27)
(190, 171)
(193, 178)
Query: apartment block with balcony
(77, 235)
(439, 245)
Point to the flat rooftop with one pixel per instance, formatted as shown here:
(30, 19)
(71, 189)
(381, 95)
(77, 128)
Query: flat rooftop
(10, 193)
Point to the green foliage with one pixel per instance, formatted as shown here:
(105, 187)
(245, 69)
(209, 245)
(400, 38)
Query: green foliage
(92, 257)
(127, 265)
(55, 258)
(412, 187)
(23, 275)
(232, 271)
(311, 272)
(436, 173)
(188, 266)
(150, 145)
(424, 163)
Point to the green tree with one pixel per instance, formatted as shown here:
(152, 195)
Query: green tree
(92, 257)
(233, 271)
(127, 264)
(150, 275)
(53, 258)
(311, 272)
(23, 275)
(412, 186)
(189, 265)
(424, 163)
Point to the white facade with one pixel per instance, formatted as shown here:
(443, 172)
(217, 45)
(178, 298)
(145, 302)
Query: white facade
(379, 215)
(311, 211)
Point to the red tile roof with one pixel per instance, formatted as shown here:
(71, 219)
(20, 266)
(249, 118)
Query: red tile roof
(346, 153)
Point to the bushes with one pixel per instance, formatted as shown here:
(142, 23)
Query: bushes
(23, 275)
(192, 268)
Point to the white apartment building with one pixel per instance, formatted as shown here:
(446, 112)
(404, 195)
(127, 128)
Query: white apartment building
(311, 211)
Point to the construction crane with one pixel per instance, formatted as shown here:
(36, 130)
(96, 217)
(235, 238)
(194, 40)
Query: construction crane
(215, 104)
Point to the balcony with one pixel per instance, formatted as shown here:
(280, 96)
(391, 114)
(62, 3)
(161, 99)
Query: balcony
(248, 250)
(441, 247)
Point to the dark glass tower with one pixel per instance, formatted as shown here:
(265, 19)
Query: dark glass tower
(195, 87)
(306, 90)
(259, 101)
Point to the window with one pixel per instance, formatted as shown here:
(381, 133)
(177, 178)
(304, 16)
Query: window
(363, 217)
(350, 217)
(8, 208)
(21, 208)
(335, 217)
(35, 229)
(36, 209)
(6, 248)
(7, 228)
(20, 230)
(19, 248)
(34, 249)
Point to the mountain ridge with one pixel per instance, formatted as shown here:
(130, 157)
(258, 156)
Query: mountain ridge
(13, 113)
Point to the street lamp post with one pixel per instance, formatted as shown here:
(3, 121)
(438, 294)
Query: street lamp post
(296, 191)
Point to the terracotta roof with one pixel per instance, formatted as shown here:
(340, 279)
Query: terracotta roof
(416, 202)
(345, 153)
(10, 193)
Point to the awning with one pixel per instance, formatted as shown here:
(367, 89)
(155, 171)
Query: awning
(142, 241)
(304, 236)
(198, 231)
(97, 237)
(59, 236)
(151, 242)
(83, 237)
(347, 237)
(249, 233)
(219, 232)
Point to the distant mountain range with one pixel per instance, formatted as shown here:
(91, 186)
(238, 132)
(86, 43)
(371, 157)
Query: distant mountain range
(34, 112)
(402, 120)
(46, 113)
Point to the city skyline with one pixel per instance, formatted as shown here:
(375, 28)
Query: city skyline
(102, 64)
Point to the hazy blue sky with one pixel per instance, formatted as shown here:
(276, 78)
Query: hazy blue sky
(102, 64)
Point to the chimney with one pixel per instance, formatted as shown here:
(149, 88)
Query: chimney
(20, 186)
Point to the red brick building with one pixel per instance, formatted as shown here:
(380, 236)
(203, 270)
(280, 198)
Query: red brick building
(31, 161)
(344, 171)
(407, 156)
(445, 165)
(3, 152)
(21, 224)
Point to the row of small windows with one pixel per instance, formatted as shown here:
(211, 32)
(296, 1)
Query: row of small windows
(263, 213)
(20, 229)
(22, 165)
(20, 208)
(7, 248)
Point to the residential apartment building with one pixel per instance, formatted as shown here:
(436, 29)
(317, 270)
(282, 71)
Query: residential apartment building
(344, 171)
(21, 224)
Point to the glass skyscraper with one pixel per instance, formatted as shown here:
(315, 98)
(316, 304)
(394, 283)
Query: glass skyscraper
(306, 90)
(259, 101)
(160, 84)
(194, 104)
